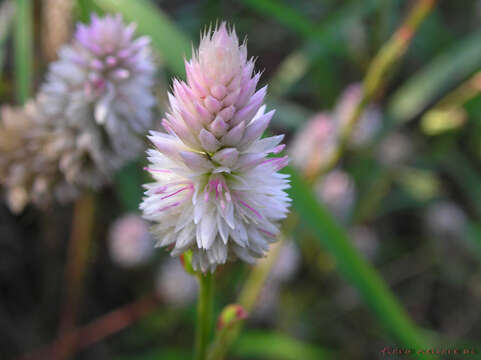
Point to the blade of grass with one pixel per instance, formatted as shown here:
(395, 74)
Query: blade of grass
(226, 337)
(164, 354)
(379, 70)
(23, 47)
(289, 115)
(171, 44)
(473, 238)
(7, 13)
(353, 267)
(84, 8)
(273, 345)
(128, 186)
(328, 39)
(464, 173)
(447, 70)
(284, 14)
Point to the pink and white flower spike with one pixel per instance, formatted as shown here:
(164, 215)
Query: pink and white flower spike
(216, 191)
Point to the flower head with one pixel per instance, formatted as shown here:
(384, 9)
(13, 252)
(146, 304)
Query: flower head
(337, 191)
(31, 155)
(315, 144)
(368, 124)
(130, 242)
(215, 189)
(173, 285)
(101, 88)
(87, 119)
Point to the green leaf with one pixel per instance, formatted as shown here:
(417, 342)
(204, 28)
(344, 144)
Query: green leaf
(85, 8)
(473, 238)
(327, 38)
(23, 47)
(444, 72)
(284, 14)
(171, 44)
(288, 115)
(164, 354)
(7, 12)
(464, 174)
(354, 267)
(273, 345)
(128, 186)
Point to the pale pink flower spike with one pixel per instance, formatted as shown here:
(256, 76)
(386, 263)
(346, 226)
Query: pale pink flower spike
(215, 189)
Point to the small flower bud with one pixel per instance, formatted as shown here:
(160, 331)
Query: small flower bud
(230, 315)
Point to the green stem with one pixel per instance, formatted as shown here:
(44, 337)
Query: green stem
(225, 338)
(76, 268)
(377, 74)
(204, 315)
(249, 294)
(23, 47)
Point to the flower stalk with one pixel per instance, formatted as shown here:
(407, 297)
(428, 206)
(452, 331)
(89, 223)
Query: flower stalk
(76, 267)
(376, 77)
(23, 48)
(226, 336)
(204, 314)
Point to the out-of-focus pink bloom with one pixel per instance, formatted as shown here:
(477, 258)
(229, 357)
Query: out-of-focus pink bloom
(268, 302)
(215, 189)
(101, 87)
(174, 285)
(88, 119)
(287, 262)
(368, 124)
(314, 145)
(130, 242)
(336, 189)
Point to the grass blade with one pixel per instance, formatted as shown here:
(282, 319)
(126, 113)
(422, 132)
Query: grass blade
(353, 267)
(128, 186)
(284, 14)
(23, 47)
(465, 175)
(272, 345)
(171, 44)
(7, 14)
(447, 70)
(328, 40)
(164, 354)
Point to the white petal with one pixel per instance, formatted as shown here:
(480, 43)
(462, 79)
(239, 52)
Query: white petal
(196, 161)
(208, 141)
(226, 157)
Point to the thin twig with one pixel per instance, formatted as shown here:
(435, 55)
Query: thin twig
(97, 330)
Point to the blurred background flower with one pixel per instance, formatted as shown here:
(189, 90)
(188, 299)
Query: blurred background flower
(368, 124)
(315, 144)
(336, 189)
(130, 242)
(173, 285)
(87, 119)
